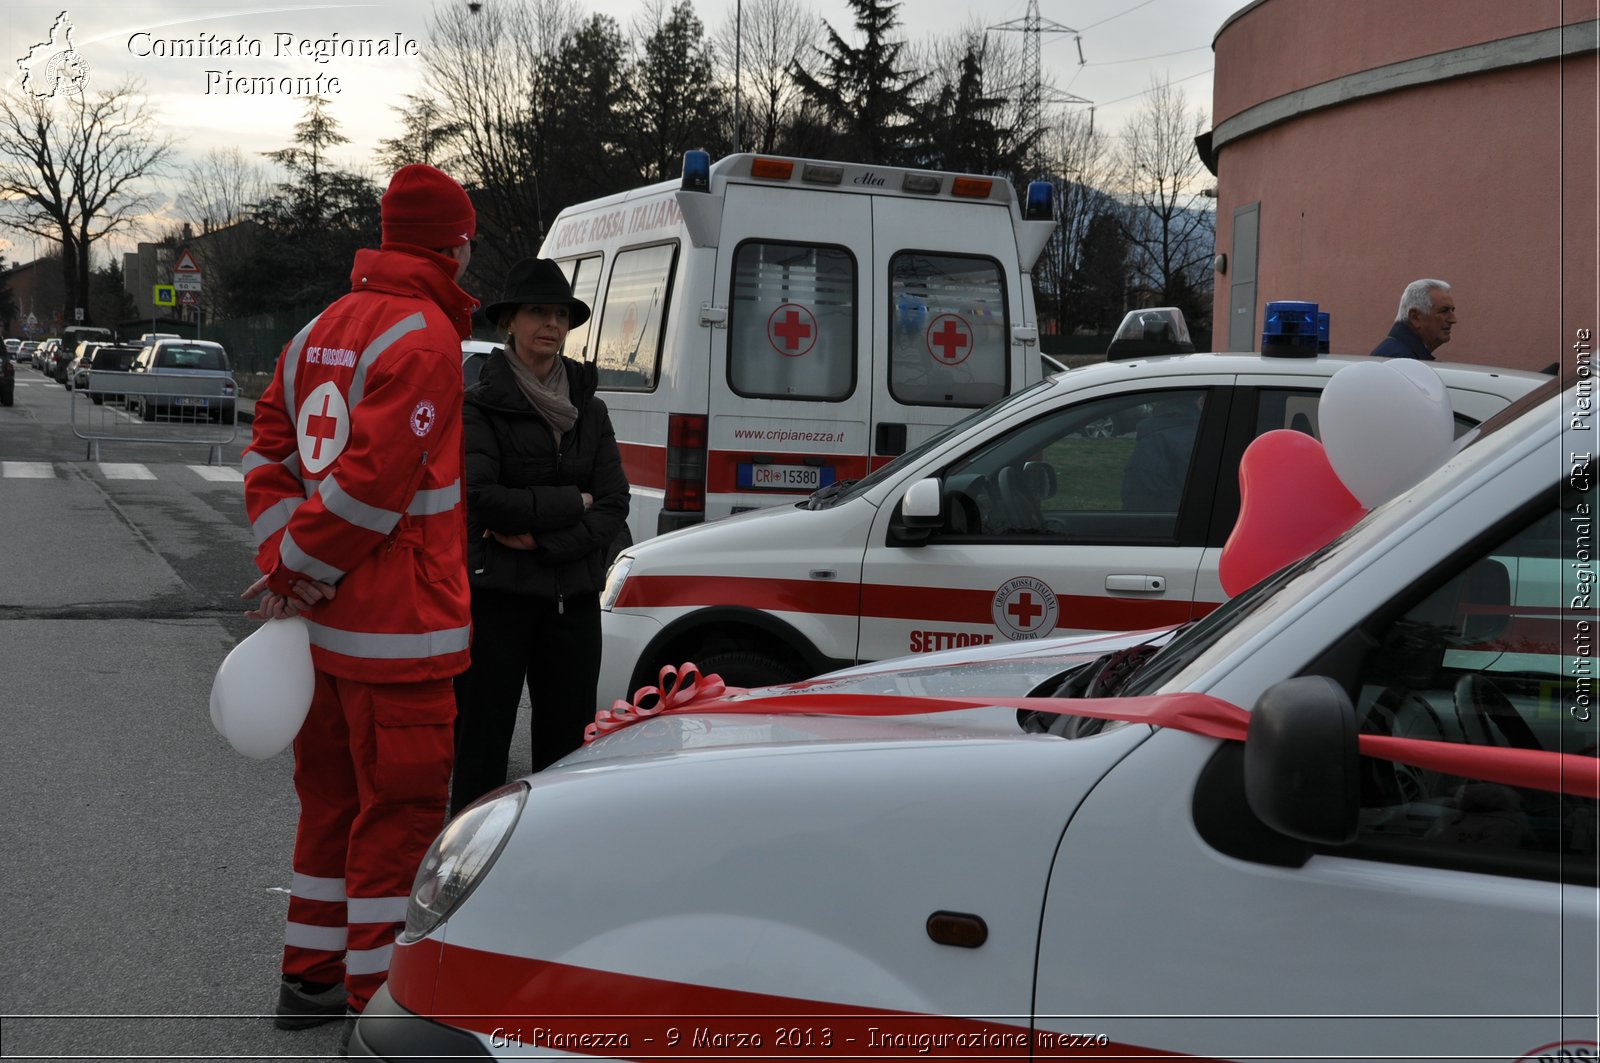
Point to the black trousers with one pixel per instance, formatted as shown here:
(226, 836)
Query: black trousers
(517, 640)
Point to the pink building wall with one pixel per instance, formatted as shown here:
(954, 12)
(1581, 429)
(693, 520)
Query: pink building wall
(1486, 179)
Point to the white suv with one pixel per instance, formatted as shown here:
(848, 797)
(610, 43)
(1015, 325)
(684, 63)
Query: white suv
(1097, 500)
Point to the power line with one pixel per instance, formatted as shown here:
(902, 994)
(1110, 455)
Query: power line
(1119, 14)
(1136, 95)
(1144, 58)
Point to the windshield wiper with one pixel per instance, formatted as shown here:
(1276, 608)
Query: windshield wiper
(822, 498)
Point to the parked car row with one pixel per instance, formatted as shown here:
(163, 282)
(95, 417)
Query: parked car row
(202, 387)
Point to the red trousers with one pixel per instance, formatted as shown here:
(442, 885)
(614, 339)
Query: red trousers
(372, 771)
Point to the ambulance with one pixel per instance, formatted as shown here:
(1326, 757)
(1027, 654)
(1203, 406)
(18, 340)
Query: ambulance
(768, 326)
(1349, 815)
(1097, 500)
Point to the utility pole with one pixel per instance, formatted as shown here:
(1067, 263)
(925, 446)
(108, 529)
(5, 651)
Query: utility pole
(1031, 109)
(738, 101)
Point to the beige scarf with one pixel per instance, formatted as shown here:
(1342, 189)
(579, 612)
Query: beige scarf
(549, 397)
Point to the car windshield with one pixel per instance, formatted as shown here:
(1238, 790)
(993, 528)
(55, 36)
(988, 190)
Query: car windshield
(834, 494)
(1199, 637)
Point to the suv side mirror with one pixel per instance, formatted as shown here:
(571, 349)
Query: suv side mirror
(920, 508)
(1301, 761)
(919, 513)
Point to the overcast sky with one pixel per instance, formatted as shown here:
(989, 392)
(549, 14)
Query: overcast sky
(1124, 42)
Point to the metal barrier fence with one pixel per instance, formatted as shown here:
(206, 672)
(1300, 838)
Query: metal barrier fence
(173, 407)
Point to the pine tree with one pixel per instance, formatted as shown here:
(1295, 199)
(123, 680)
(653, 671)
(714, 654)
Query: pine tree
(865, 94)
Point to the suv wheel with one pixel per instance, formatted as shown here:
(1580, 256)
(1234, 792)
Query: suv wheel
(744, 668)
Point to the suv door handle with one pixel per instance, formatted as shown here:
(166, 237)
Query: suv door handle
(1138, 584)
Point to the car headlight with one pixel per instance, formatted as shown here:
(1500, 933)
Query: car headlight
(459, 858)
(614, 581)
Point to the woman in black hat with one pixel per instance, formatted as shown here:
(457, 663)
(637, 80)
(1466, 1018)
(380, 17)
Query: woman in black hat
(546, 500)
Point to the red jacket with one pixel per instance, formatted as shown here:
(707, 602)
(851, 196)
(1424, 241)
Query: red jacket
(353, 476)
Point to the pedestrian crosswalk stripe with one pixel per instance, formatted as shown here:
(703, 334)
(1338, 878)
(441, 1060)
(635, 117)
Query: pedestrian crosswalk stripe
(27, 470)
(125, 471)
(219, 473)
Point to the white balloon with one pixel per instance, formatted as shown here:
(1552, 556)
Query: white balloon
(1385, 426)
(1423, 378)
(216, 711)
(263, 689)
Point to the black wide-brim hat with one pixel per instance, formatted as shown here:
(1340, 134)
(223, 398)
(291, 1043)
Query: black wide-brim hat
(536, 280)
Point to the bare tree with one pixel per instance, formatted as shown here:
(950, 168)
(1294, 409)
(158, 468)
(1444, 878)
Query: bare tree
(1081, 162)
(73, 170)
(770, 38)
(218, 191)
(219, 188)
(1171, 227)
(485, 74)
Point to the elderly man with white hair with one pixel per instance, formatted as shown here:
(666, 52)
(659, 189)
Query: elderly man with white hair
(1423, 322)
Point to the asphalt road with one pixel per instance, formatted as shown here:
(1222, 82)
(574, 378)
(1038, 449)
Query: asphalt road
(146, 863)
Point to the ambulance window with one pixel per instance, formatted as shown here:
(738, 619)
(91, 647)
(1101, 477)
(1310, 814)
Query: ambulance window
(628, 348)
(792, 325)
(1497, 654)
(1110, 470)
(584, 276)
(948, 336)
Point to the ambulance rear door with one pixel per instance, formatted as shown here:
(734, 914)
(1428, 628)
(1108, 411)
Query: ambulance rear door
(949, 285)
(789, 403)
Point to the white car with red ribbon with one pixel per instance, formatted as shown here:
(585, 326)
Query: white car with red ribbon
(1349, 814)
(1097, 500)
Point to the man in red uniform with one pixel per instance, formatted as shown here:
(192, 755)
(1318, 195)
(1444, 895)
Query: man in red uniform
(353, 489)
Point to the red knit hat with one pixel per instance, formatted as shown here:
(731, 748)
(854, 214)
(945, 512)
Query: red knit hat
(425, 207)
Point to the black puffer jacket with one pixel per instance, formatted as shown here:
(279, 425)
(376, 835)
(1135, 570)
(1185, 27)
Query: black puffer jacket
(518, 480)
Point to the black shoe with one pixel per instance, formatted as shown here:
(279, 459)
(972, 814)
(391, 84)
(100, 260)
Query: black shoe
(302, 1005)
(347, 1030)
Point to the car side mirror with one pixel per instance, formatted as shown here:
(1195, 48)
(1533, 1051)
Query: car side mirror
(918, 515)
(1486, 586)
(922, 506)
(1301, 761)
(1040, 476)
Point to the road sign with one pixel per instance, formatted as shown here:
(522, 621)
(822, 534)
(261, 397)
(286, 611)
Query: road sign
(186, 263)
(165, 295)
(77, 313)
(186, 282)
(188, 298)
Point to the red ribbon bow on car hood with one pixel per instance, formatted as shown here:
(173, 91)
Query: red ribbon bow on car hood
(684, 689)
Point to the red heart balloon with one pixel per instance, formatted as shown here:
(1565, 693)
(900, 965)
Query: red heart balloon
(1290, 502)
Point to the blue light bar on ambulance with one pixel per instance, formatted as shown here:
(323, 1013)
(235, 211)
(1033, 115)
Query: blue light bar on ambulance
(1040, 204)
(696, 170)
(1322, 332)
(1290, 330)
